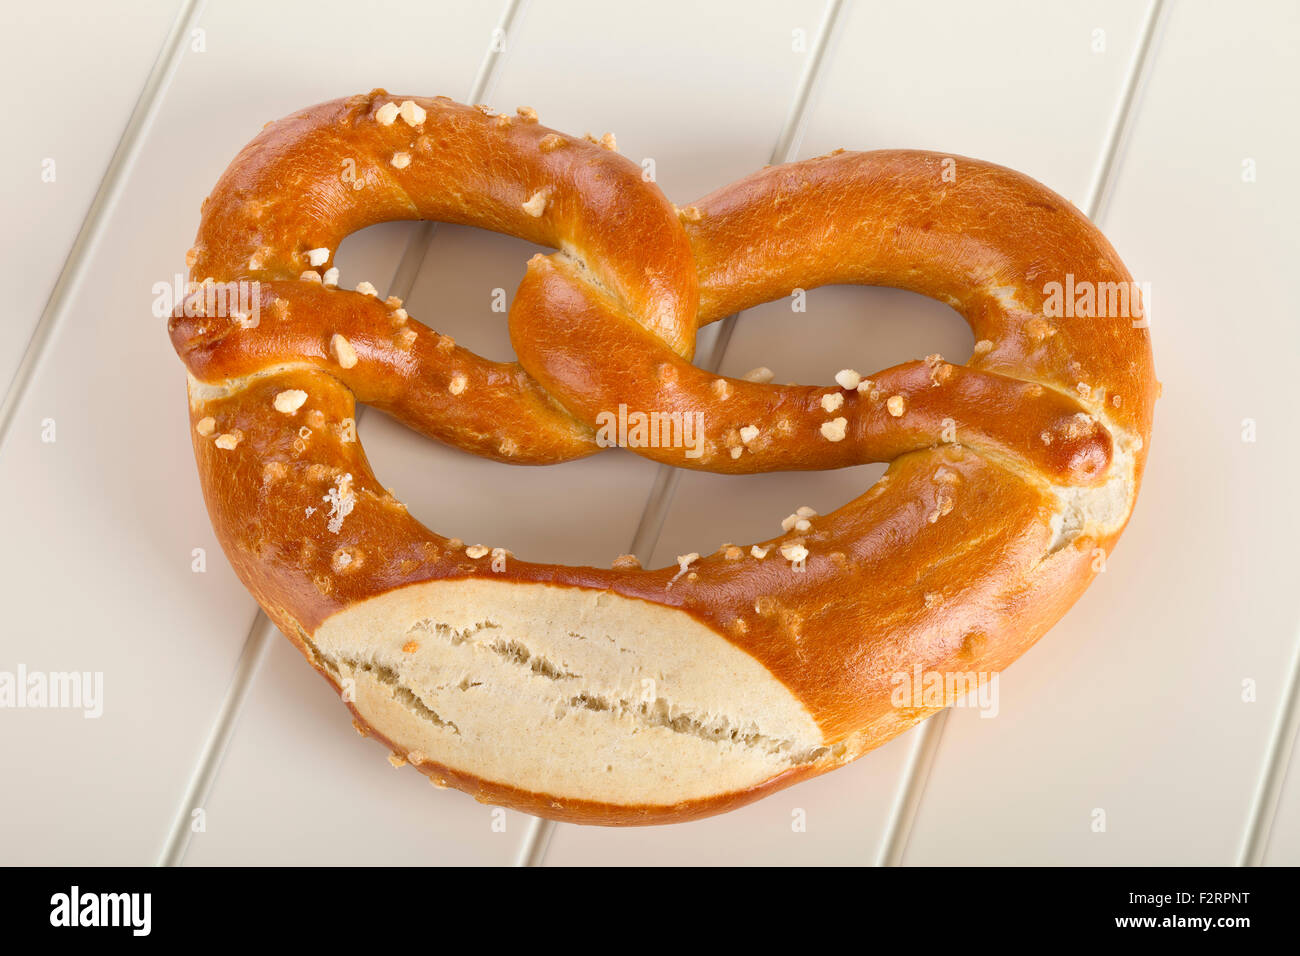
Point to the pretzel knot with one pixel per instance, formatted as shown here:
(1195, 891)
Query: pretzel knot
(640, 696)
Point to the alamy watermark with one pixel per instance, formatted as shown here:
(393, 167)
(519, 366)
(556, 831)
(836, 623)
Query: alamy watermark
(937, 689)
(633, 429)
(131, 911)
(21, 689)
(1082, 299)
(239, 299)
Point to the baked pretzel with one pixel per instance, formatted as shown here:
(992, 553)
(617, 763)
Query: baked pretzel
(623, 695)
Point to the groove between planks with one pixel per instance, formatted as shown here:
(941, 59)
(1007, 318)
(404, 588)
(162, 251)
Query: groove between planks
(912, 789)
(101, 207)
(262, 632)
(538, 839)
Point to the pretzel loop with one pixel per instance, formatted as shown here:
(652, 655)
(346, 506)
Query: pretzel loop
(281, 210)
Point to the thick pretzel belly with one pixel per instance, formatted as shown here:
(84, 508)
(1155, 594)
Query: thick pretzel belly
(623, 695)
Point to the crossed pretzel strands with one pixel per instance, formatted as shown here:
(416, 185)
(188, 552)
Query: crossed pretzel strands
(1007, 472)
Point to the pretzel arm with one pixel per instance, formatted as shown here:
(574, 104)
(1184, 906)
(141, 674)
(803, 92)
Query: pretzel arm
(393, 363)
(987, 240)
(747, 427)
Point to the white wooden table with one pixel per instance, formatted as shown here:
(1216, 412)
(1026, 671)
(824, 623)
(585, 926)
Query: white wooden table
(1165, 699)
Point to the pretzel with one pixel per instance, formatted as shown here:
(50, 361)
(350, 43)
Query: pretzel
(629, 695)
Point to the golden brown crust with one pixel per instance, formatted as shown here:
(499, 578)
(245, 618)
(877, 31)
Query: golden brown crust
(1008, 474)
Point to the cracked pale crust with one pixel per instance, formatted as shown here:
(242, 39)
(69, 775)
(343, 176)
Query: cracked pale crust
(639, 704)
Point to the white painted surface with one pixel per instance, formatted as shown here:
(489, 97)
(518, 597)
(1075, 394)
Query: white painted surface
(72, 71)
(873, 95)
(1132, 704)
(100, 525)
